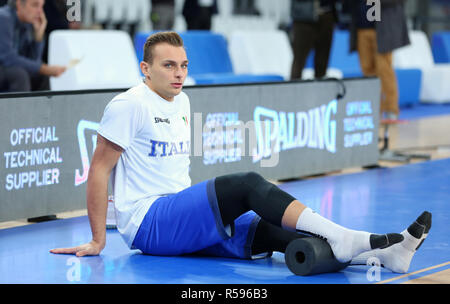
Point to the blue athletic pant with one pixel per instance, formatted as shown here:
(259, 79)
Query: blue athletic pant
(189, 222)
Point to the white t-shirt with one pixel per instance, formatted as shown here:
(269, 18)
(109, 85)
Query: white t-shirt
(155, 135)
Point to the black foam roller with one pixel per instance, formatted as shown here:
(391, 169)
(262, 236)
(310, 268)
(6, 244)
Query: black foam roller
(308, 256)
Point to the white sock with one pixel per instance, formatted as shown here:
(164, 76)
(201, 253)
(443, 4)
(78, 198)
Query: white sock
(397, 257)
(345, 243)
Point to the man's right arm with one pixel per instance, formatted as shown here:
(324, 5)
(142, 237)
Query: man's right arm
(105, 158)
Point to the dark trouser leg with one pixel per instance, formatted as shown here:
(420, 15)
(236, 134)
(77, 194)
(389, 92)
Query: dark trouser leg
(3, 84)
(207, 19)
(200, 22)
(15, 79)
(270, 238)
(323, 44)
(40, 83)
(162, 17)
(303, 41)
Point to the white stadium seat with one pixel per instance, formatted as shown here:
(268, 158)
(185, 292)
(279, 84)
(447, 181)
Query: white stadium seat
(435, 76)
(225, 7)
(227, 25)
(179, 24)
(102, 10)
(133, 11)
(107, 59)
(278, 10)
(118, 10)
(261, 52)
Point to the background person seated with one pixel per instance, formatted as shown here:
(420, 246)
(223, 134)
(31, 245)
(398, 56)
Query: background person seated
(22, 34)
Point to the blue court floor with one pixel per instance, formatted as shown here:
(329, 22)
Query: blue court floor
(378, 200)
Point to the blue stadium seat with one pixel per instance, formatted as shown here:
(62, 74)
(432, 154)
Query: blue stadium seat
(207, 52)
(229, 78)
(310, 60)
(440, 45)
(340, 56)
(139, 42)
(209, 59)
(418, 55)
(409, 81)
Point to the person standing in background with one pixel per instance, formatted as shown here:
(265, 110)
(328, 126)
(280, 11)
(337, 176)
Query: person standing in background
(245, 7)
(56, 13)
(375, 40)
(312, 29)
(163, 14)
(198, 13)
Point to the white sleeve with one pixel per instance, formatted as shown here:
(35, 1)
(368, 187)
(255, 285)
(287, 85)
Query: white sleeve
(120, 122)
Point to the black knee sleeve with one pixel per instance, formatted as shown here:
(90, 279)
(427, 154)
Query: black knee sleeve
(241, 192)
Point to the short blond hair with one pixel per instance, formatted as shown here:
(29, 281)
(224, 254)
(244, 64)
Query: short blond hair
(170, 37)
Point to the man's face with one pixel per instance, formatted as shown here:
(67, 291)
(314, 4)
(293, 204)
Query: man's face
(168, 70)
(30, 11)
